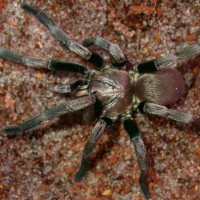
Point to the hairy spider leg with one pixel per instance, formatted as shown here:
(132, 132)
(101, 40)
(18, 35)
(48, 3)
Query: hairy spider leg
(66, 107)
(90, 145)
(68, 87)
(55, 65)
(170, 60)
(135, 136)
(58, 33)
(173, 114)
(113, 49)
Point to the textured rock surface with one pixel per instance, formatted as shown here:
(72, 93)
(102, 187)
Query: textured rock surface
(40, 164)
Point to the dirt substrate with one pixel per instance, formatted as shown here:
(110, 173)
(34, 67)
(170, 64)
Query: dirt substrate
(41, 163)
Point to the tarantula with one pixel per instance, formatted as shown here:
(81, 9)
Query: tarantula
(151, 87)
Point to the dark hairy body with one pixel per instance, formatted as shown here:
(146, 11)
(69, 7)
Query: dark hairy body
(149, 87)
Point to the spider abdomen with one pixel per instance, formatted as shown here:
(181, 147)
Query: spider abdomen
(164, 87)
(114, 90)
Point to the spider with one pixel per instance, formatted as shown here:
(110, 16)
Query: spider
(149, 87)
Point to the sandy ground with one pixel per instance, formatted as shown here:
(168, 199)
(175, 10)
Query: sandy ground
(41, 163)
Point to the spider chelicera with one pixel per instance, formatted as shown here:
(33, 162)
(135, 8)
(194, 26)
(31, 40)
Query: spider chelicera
(149, 88)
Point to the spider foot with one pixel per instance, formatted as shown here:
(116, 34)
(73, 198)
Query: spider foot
(81, 172)
(144, 184)
(12, 130)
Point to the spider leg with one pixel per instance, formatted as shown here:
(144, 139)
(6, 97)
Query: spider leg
(66, 107)
(58, 33)
(55, 65)
(88, 150)
(135, 136)
(176, 115)
(113, 49)
(67, 88)
(170, 60)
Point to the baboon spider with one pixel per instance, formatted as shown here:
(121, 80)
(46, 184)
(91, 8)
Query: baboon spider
(149, 88)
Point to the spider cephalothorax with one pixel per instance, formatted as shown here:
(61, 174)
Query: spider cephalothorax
(149, 88)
